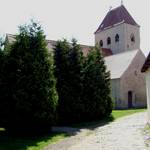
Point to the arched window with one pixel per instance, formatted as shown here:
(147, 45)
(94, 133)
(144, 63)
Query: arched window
(101, 43)
(132, 37)
(108, 41)
(117, 38)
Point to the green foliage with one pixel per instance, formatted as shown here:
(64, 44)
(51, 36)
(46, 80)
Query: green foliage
(68, 71)
(2, 101)
(27, 83)
(96, 90)
(83, 84)
(30, 94)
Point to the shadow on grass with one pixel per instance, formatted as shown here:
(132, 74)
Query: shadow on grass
(10, 141)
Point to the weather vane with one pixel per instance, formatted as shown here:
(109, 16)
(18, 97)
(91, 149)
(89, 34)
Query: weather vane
(110, 8)
(121, 2)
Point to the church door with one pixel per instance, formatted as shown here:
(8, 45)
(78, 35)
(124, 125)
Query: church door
(130, 98)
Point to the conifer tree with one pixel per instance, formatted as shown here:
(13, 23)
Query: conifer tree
(96, 83)
(2, 101)
(30, 82)
(68, 61)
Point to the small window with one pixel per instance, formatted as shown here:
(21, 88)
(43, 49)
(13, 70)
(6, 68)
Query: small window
(132, 38)
(101, 43)
(117, 38)
(108, 41)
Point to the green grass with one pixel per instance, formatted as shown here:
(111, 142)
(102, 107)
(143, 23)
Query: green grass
(9, 142)
(121, 113)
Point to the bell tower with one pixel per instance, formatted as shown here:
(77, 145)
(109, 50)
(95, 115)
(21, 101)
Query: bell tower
(118, 31)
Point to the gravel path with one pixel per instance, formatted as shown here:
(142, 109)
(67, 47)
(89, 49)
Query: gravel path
(123, 134)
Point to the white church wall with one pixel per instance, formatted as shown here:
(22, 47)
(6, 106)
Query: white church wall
(115, 92)
(148, 92)
(116, 47)
(129, 31)
(125, 31)
(133, 80)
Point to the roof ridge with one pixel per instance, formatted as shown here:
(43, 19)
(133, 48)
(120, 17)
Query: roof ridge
(116, 8)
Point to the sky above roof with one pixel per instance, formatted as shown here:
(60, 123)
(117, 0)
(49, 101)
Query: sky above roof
(70, 18)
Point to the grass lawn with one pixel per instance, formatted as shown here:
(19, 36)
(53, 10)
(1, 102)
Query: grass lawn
(9, 142)
(121, 113)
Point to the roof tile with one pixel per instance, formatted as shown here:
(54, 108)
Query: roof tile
(116, 16)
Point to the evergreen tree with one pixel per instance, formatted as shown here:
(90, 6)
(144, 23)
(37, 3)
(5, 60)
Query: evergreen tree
(2, 102)
(96, 91)
(68, 62)
(30, 92)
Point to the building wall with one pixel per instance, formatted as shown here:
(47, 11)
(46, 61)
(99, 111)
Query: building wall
(133, 80)
(129, 30)
(147, 75)
(111, 32)
(124, 31)
(115, 92)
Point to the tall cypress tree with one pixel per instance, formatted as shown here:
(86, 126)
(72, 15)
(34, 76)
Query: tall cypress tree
(2, 100)
(96, 82)
(61, 70)
(30, 82)
(75, 82)
(68, 61)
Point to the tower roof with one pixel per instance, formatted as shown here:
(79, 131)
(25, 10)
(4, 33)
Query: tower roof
(116, 16)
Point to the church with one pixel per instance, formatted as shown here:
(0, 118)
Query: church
(118, 36)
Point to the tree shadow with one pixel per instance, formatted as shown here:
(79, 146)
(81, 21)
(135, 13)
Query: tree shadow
(94, 124)
(74, 129)
(9, 141)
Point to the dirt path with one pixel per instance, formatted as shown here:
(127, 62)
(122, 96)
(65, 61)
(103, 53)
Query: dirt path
(123, 134)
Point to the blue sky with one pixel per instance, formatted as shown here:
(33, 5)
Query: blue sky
(70, 18)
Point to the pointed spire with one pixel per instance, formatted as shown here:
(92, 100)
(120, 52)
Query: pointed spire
(115, 16)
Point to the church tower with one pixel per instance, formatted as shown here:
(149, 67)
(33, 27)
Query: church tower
(118, 31)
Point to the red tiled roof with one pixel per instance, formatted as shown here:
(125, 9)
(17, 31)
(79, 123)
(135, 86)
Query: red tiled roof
(146, 64)
(116, 16)
(52, 43)
(106, 52)
(85, 49)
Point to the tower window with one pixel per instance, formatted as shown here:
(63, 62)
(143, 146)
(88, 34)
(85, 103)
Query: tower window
(108, 41)
(117, 38)
(132, 38)
(101, 43)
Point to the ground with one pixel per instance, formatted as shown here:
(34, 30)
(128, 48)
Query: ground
(123, 134)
